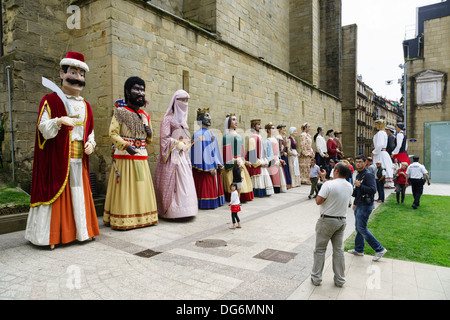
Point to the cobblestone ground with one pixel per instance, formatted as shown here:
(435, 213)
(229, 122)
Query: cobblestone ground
(198, 258)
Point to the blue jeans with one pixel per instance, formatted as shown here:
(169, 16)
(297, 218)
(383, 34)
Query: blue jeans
(362, 213)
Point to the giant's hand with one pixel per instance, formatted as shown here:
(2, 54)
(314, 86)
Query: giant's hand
(88, 148)
(67, 121)
(130, 150)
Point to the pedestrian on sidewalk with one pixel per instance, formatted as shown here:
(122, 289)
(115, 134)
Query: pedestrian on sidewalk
(334, 199)
(314, 171)
(415, 173)
(401, 182)
(330, 170)
(365, 188)
(235, 206)
(370, 165)
(380, 179)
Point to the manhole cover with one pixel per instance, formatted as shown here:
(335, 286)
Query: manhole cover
(276, 255)
(211, 243)
(147, 253)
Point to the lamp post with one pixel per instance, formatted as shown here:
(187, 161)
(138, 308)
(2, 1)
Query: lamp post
(405, 90)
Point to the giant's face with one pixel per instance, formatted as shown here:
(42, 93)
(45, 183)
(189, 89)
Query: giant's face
(137, 95)
(73, 80)
(205, 118)
(233, 123)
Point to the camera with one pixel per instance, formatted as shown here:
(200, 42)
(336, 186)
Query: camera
(366, 199)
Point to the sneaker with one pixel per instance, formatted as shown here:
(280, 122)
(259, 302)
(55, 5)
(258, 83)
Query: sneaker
(356, 253)
(378, 255)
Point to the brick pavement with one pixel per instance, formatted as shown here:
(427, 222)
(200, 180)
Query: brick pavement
(200, 258)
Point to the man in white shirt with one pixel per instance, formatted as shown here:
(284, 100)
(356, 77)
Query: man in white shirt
(334, 199)
(415, 173)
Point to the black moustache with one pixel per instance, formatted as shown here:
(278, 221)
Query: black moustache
(138, 103)
(75, 81)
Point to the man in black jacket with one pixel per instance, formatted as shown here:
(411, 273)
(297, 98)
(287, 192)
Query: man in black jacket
(365, 188)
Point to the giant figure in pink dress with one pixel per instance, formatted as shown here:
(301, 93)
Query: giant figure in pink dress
(174, 183)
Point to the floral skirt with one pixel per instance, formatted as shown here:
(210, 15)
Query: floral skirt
(130, 203)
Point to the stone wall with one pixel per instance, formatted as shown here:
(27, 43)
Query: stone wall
(331, 47)
(202, 12)
(176, 7)
(221, 77)
(259, 27)
(436, 57)
(131, 38)
(349, 82)
(34, 39)
(303, 59)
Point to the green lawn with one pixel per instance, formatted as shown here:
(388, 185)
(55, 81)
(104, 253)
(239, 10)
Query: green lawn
(421, 235)
(12, 199)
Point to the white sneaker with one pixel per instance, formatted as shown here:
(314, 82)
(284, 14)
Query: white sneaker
(378, 255)
(356, 253)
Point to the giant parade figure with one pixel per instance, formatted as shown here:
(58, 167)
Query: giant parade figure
(130, 198)
(379, 152)
(400, 151)
(262, 184)
(174, 184)
(273, 154)
(206, 160)
(284, 143)
(307, 153)
(234, 153)
(62, 208)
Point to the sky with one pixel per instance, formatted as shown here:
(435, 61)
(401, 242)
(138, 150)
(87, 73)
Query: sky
(382, 26)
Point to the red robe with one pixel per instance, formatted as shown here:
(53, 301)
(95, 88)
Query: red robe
(52, 157)
(332, 148)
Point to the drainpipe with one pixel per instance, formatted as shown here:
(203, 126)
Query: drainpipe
(10, 123)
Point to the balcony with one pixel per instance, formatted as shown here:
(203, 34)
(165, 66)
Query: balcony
(361, 123)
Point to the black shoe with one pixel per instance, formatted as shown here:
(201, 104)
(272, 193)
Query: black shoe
(309, 197)
(414, 206)
(315, 283)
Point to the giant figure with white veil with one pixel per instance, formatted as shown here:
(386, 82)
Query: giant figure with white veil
(174, 183)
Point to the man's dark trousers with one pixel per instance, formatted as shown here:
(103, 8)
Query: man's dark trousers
(417, 190)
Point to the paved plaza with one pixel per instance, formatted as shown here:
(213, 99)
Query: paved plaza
(200, 258)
